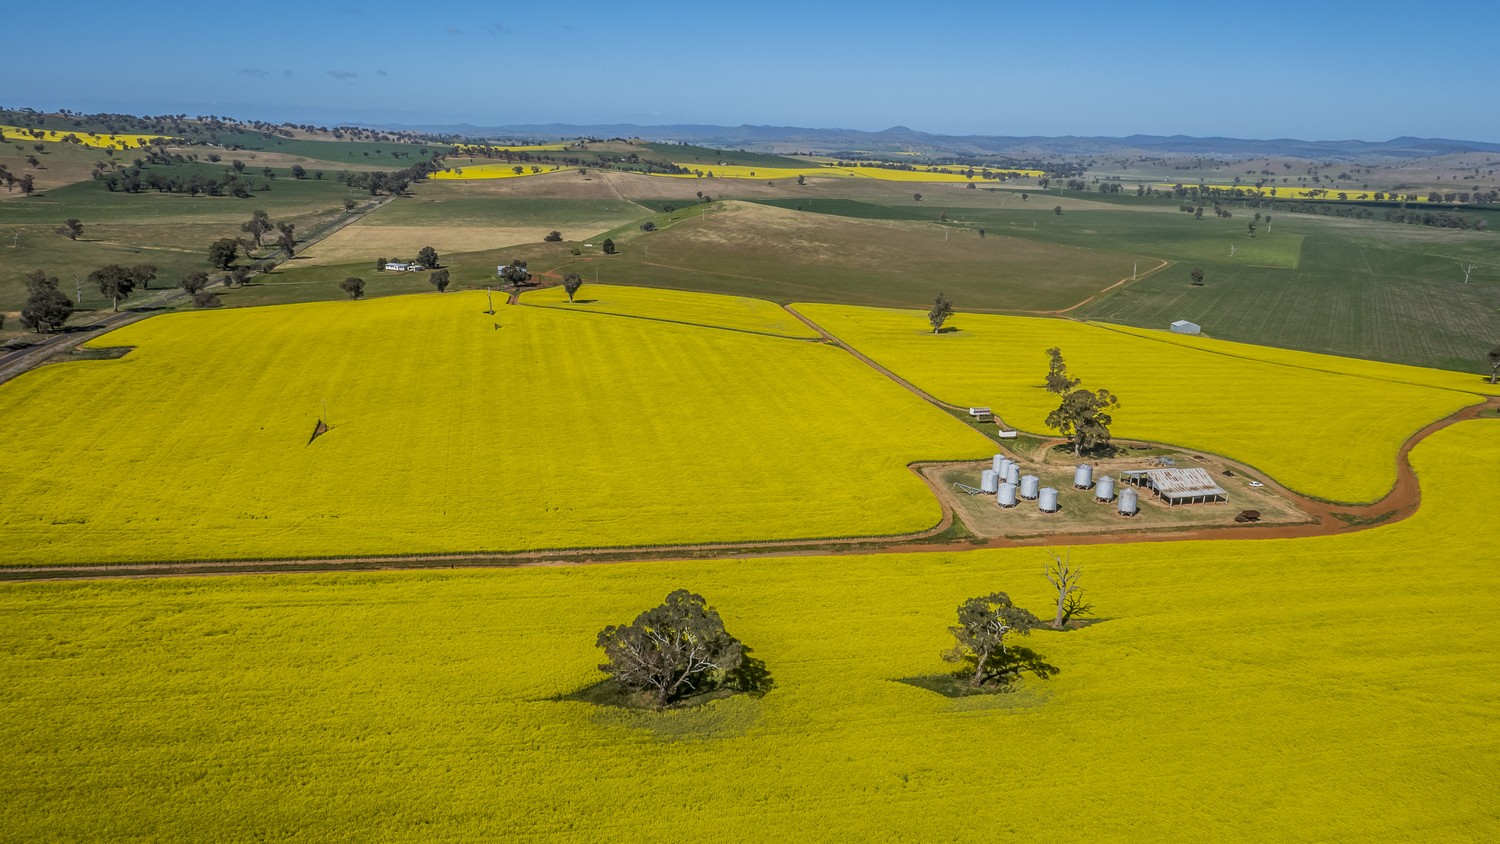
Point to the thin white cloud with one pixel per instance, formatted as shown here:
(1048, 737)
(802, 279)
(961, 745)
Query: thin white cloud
(342, 74)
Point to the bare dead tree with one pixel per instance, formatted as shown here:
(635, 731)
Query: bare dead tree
(1063, 575)
(1468, 270)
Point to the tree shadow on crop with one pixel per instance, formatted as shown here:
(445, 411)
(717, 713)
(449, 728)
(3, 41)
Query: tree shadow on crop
(1005, 675)
(727, 710)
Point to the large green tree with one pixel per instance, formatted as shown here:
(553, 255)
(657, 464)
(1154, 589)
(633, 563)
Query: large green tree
(942, 309)
(669, 651)
(983, 624)
(1084, 418)
(114, 281)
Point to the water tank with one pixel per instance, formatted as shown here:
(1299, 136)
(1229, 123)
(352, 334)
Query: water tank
(1029, 484)
(1006, 497)
(1104, 490)
(998, 463)
(1048, 501)
(1013, 474)
(1083, 476)
(989, 480)
(1127, 501)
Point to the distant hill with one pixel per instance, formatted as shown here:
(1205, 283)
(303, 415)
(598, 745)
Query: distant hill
(903, 139)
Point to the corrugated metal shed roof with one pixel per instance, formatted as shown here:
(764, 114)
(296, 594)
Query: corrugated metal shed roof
(1183, 483)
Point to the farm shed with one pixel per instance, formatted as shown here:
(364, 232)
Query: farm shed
(1182, 326)
(1179, 486)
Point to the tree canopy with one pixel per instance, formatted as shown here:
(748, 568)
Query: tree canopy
(983, 624)
(942, 308)
(672, 650)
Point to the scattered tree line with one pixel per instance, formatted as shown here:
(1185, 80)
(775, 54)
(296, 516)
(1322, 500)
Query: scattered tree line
(681, 649)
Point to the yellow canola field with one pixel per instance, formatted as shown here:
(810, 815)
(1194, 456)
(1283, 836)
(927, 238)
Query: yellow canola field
(495, 170)
(1343, 688)
(1421, 376)
(454, 431)
(1324, 434)
(88, 139)
(736, 313)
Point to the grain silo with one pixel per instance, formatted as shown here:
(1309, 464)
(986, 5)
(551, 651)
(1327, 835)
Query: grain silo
(1047, 503)
(1029, 486)
(1004, 467)
(1006, 497)
(1104, 490)
(1083, 476)
(989, 480)
(1128, 505)
(1013, 474)
(997, 462)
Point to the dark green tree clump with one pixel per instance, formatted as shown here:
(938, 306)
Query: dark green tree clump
(1494, 364)
(609, 246)
(1197, 276)
(983, 624)
(427, 258)
(571, 283)
(671, 651)
(942, 309)
(553, 236)
(516, 273)
(114, 281)
(439, 280)
(194, 282)
(71, 228)
(47, 308)
(222, 252)
(354, 286)
(1084, 415)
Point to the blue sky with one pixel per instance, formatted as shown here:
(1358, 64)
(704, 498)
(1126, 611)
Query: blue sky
(1260, 69)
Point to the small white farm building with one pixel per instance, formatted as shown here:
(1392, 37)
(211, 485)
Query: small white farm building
(1182, 326)
(400, 267)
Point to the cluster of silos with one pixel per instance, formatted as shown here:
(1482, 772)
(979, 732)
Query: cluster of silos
(1128, 505)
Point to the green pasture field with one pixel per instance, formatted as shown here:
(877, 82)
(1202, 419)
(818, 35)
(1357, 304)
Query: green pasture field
(455, 204)
(386, 155)
(172, 231)
(785, 256)
(1353, 296)
(688, 155)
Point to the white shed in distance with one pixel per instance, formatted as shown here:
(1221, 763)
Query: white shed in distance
(1182, 326)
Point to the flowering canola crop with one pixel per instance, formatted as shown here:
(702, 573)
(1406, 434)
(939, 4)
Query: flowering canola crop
(1341, 688)
(88, 139)
(1317, 430)
(452, 431)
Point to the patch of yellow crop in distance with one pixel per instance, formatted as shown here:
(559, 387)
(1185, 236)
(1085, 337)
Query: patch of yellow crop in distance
(88, 139)
(1295, 192)
(453, 431)
(496, 170)
(1322, 433)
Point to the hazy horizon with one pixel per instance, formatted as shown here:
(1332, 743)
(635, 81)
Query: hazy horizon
(1336, 71)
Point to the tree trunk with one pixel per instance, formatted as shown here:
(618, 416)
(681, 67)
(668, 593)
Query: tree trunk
(982, 658)
(1061, 599)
